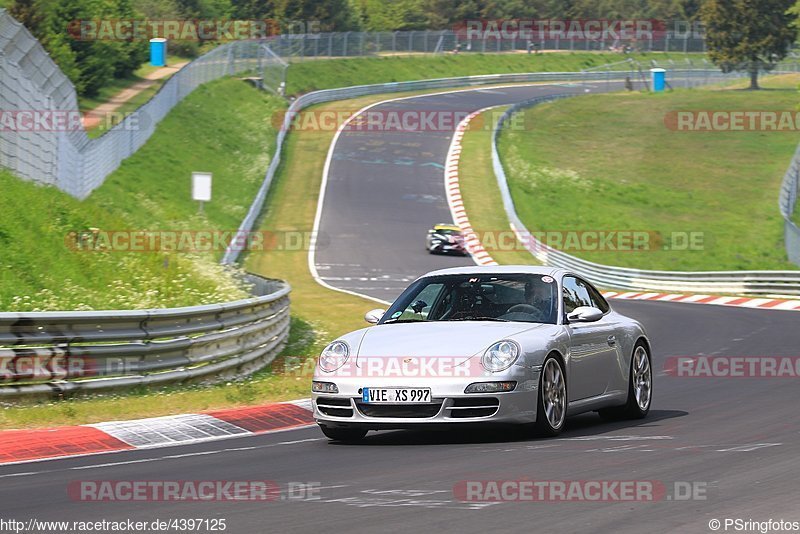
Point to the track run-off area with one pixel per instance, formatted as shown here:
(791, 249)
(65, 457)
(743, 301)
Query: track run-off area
(717, 447)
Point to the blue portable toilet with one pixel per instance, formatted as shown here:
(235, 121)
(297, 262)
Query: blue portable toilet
(158, 52)
(659, 79)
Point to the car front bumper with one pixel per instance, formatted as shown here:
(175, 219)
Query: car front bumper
(449, 405)
(445, 247)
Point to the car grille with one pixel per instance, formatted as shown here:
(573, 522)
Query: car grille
(335, 407)
(411, 411)
(462, 408)
(458, 408)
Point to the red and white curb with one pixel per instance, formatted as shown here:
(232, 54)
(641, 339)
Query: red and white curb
(17, 446)
(454, 200)
(743, 302)
(482, 257)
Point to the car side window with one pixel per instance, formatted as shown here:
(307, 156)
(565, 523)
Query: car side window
(597, 299)
(575, 294)
(421, 307)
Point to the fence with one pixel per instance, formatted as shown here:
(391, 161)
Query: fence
(788, 204)
(62, 353)
(350, 44)
(737, 282)
(69, 159)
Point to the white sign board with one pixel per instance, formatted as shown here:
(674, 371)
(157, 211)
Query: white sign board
(201, 186)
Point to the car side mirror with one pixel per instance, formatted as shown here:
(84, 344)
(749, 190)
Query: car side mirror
(373, 316)
(584, 314)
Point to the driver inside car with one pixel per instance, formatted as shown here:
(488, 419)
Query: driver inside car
(540, 296)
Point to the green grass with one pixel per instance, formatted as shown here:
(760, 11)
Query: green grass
(326, 74)
(608, 162)
(150, 191)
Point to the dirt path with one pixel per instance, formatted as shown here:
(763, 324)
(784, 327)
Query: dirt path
(93, 118)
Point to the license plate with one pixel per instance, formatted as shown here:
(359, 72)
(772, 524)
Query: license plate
(396, 395)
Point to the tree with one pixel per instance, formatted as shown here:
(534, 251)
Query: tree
(332, 15)
(748, 35)
(38, 19)
(129, 55)
(252, 9)
(398, 15)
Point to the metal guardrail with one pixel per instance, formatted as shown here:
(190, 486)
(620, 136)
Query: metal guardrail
(686, 77)
(737, 282)
(788, 204)
(46, 354)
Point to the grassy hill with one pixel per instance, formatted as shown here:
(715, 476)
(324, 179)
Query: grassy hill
(223, 128)
(608, 162)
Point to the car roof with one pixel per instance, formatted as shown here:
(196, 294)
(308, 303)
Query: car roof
(447, 227)
(499, 269)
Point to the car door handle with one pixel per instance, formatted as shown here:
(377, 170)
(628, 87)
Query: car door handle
(612, 340)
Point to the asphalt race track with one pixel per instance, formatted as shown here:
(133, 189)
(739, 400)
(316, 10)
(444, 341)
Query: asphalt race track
(735, 439)
(385, 190)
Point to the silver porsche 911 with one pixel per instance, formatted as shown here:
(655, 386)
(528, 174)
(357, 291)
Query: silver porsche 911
(509, 344)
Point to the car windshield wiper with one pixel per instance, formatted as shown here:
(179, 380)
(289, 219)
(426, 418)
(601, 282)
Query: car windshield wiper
(398, 321)
(480, 319)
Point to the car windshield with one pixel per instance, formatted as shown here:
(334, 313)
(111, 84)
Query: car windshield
(445, 231)
(525, 298)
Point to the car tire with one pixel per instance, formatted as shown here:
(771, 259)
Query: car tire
(343, 434)
(640, 388)
(551, 405)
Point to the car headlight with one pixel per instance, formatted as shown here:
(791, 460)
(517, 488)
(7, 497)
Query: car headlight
(334, 356)
(500, 356)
